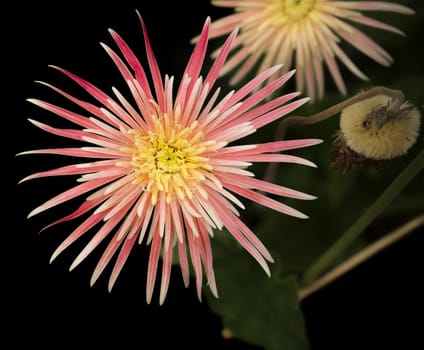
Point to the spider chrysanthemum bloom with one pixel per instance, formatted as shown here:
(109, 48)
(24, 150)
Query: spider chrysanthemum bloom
(163, 170)
(307, 34)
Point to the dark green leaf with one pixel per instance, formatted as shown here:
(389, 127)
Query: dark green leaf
(255, 308)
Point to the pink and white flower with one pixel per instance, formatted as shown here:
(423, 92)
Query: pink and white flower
(306, 34)
(164, 171)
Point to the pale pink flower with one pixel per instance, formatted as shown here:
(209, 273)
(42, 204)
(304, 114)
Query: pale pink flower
(164, 170)
(306, 34)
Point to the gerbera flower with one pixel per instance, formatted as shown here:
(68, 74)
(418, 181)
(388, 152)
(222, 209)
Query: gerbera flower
(303, 33)
(163, 171)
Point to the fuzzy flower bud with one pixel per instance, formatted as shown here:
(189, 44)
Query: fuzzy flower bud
(376, 129)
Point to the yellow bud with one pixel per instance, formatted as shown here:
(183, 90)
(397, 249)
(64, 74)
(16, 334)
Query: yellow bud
(380, 128)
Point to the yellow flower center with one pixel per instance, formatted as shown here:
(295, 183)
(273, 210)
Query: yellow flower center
(290, 11)
(169, 158)
(298, 9)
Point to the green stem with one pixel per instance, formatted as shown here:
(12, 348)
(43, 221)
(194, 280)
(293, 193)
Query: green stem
(328, 258)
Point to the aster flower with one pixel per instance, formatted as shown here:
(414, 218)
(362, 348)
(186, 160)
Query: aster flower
(306, 34)
(163, 171)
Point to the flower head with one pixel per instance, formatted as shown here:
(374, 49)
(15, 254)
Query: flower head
(376, 129)
(163, 171)
(303, 33)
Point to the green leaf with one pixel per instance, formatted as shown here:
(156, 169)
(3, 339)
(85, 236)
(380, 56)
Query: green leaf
(255, 308)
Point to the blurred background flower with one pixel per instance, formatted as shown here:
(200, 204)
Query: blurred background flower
(305, 34)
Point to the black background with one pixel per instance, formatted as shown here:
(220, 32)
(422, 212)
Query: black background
(376, 305)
